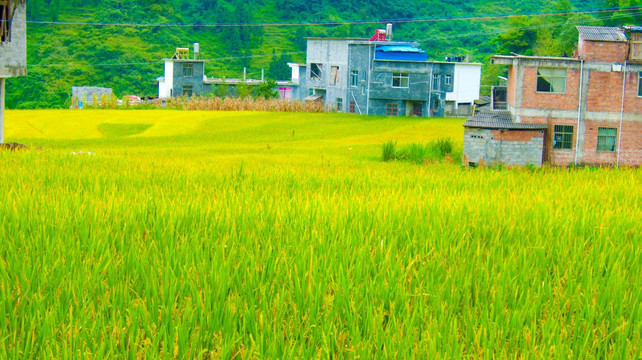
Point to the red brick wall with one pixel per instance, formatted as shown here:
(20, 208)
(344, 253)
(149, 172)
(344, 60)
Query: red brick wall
(632, 102)
(605, 92)
(631, 147)
(604, 51)
(631, 150)
(516, 135)
(560, 157)
(539, 100)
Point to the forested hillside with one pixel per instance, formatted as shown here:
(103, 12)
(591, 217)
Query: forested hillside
(102, 43)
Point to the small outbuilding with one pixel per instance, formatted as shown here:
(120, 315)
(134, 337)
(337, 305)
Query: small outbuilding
(491, 136)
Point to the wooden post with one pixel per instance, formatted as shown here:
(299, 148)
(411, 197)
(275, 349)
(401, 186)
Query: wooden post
(1, 110)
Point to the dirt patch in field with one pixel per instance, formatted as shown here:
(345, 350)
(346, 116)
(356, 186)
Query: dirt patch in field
(13, 146)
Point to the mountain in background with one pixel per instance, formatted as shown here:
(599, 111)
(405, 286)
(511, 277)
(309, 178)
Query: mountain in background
(96, 43)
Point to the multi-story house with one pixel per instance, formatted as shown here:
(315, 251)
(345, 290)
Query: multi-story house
(382, 77)
(13, 47)
(585, 109)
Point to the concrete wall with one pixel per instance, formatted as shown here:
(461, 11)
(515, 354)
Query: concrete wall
(165, 86)
(510, 147)
(360, 56)
(196, 80)
(13, 54)
(467, 81)
(328, 53)
(85, 94)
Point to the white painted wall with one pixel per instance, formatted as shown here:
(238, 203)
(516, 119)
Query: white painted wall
(295, 72)
(467, 81)
(165, 86)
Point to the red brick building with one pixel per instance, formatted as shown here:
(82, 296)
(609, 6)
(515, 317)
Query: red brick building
(589, 106)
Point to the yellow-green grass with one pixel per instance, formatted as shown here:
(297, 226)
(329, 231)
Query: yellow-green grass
(260, 235)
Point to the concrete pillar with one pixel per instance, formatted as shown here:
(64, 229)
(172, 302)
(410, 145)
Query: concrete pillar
(581, 130)
(1, 110)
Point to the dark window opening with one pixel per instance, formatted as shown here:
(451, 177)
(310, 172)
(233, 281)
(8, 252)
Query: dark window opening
(563, 137)
(551, 80)
(187, 90)
(339, 104)
(354, 78)
(640, 84)
(417, 109)
(6, 16)
(435, 80)
(188, 69)
(316, 71)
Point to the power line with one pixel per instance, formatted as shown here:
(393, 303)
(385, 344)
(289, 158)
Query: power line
(459, 35)
(346, 22)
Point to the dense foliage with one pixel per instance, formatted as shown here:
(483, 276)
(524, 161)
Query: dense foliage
(128, 58)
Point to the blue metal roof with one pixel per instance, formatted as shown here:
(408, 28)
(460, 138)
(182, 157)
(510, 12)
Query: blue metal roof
(400, 48)
(400, 52)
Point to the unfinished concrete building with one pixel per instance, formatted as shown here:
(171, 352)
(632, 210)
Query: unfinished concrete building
(13, 47)
(378, 76)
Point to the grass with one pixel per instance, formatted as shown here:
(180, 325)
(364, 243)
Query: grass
(262, 235)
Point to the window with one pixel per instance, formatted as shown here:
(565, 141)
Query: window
(435, 81)
(285, 93)
(606, 139)
(339, 104)
(334, 75)
(551, 80)
(354, 78)
(5, 21)
(316, 71)
(640, 84)
(187, 90)
(188, 69)
(563, 137)
(399, 80)
(353, 105)
(392, 109)
(310, 92)
(448, 80)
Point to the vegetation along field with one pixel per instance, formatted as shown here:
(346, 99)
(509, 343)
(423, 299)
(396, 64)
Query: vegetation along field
(176, 234)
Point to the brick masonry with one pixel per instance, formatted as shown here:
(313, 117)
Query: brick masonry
(538, 100)
(603, 51)
(593, 98)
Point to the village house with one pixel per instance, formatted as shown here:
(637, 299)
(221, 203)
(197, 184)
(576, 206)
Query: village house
(13, 47)
(378, 76)
(185, 76)
(581, 110)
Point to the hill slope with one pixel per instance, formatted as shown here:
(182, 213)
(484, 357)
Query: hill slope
(67, 48)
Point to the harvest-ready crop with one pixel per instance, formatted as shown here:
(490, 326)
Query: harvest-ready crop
(259, 235)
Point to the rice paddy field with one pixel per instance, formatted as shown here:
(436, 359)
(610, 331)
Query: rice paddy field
(247, 235)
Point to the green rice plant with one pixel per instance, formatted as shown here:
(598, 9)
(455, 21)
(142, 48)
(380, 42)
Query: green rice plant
(388, 152)
(186, 236)
(443, 146)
